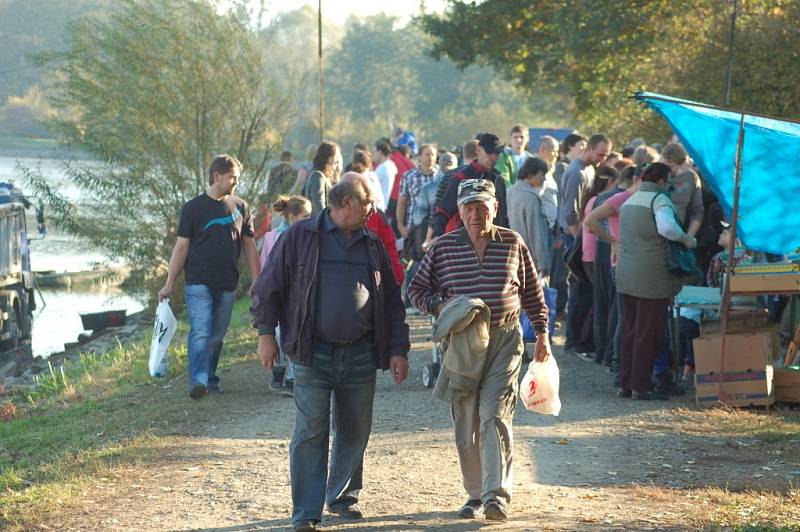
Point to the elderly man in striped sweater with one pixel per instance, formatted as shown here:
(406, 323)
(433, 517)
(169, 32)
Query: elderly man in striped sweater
(482, 260)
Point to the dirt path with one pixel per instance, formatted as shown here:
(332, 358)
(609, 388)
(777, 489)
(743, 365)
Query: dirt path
(606, 463)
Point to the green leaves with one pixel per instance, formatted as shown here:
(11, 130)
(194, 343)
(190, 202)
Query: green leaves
(153, 92)
(602, 55)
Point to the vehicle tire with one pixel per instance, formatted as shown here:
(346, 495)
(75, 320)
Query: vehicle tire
(10, 326)
(25, 323)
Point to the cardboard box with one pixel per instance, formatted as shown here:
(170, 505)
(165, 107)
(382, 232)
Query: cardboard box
(748, 350)
(767, 283)
(739, 388)
(738, 321)
(787, 385)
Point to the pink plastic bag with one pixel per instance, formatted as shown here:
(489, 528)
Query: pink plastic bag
(539, 388)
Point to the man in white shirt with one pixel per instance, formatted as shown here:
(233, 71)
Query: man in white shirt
(548, 152)
(386, 170)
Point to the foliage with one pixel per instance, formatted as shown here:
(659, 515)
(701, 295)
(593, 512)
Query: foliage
(26, 115)
(291, 42)
(155, 90)
(31, 26)
(677, 47)
(382, 78)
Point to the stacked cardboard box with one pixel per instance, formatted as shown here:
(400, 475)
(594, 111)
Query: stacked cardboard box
(787, 385)
(748, 372)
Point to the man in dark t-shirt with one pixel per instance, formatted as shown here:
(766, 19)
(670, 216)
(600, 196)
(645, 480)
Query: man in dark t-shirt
(214, 228)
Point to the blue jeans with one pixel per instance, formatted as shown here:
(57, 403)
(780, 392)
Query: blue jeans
(209, 316)
(349, 374)
(663, 361)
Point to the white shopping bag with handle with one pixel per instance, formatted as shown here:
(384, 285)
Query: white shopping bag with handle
(163, 331)
(539, 388)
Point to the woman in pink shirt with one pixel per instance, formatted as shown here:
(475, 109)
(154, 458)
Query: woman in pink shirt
(608, 212)
(604, 179)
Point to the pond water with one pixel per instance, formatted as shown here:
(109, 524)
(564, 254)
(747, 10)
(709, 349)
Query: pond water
(58, 321)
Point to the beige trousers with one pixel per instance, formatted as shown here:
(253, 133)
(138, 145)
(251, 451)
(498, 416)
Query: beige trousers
(483, 420)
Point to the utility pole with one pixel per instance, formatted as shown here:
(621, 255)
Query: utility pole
(321, 85)
(729, 70)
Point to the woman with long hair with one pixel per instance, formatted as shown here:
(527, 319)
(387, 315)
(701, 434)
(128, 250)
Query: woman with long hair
(327, 168)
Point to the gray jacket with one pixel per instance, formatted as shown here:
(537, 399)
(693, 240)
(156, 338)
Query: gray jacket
(526, 217)
(462, 327)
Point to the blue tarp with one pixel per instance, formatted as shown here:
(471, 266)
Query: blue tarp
(560, 133)
(769, 194)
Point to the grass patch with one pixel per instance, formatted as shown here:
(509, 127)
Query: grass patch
(772, 426)
(97, 414)
(718, 509)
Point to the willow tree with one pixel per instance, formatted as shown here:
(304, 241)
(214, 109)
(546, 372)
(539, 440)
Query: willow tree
(151, 92)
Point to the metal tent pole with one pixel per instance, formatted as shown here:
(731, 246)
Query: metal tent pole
(321, 84)
(726, 287)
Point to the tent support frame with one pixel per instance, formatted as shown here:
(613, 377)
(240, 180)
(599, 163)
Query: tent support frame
(726, 291)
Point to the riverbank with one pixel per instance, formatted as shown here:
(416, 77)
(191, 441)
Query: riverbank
(103, 446)
(24, 373)
(33, 147)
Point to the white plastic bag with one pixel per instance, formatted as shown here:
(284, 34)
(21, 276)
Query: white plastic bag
(163, 331)
(539, 388)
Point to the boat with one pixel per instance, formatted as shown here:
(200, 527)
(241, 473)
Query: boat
(97, 321)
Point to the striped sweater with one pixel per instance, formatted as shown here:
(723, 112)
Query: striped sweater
(504, 279)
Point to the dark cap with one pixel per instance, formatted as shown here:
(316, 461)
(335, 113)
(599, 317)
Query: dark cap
(489, 142)
(475, 190)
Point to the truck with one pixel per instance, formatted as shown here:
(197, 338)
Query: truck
(17, 301)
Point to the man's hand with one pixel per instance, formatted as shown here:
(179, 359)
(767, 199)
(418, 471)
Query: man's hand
(690, 241)
(164, 293)
(403, 230)
(542, 350)
(268, 351)
(398, 366)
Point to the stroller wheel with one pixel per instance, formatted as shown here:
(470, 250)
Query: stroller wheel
(428, 377)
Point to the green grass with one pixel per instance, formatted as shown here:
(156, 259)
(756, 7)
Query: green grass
(99, 413)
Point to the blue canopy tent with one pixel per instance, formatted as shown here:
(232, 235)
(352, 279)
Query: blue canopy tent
(769, 196)
(749, 161)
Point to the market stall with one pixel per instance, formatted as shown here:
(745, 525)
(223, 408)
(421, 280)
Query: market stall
(749, 161)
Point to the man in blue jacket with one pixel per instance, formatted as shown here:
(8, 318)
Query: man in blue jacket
(330, 285)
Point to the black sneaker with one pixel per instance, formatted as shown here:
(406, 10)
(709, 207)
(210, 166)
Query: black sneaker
(471, 509)
(351, 511)
(197, 391)
(214, 388)
(625, 394)
(666, 386)
(494, 510)
(288, 388)
(655, 395)
(586, 357)
(276, 383)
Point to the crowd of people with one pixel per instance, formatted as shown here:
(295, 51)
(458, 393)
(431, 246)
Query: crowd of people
(471, 235)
